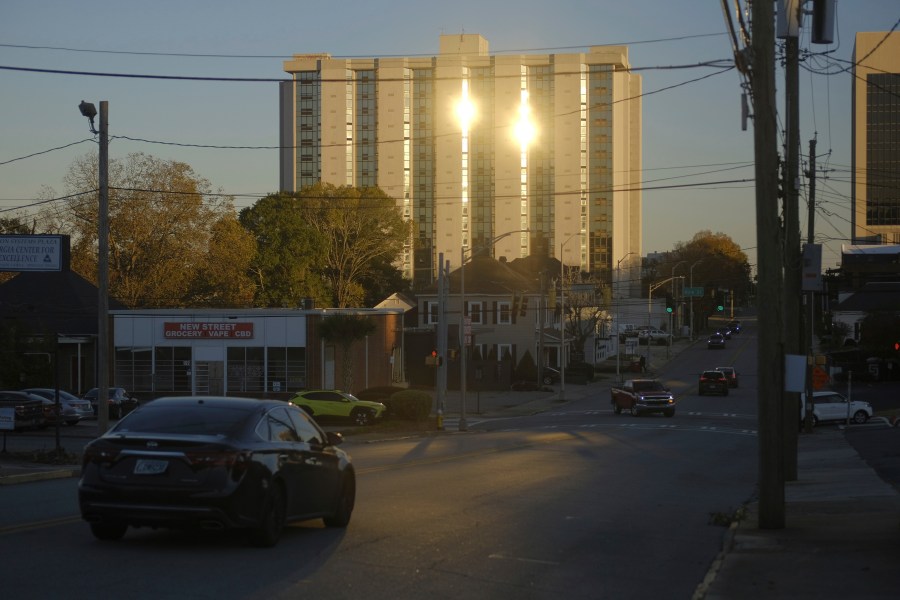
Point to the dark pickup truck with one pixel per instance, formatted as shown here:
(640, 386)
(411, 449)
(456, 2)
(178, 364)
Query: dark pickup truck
(639, 396)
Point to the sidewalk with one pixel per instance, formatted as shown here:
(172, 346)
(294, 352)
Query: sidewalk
(841, 537)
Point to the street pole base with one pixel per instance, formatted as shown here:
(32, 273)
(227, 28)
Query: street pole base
(463, 426)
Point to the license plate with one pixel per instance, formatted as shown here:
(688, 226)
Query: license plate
(149, 466)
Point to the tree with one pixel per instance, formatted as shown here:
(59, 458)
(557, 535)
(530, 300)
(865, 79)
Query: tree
(289, 253)
(161, 220)
(337, 245)
(586, 306)
(362, 229)
(223, 278)
(719, 263)
(344, 330)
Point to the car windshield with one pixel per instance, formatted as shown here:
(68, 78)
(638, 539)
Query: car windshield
(181, 419)
(714, 374)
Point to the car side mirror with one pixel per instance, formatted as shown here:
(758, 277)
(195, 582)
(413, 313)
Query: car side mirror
(334, 438)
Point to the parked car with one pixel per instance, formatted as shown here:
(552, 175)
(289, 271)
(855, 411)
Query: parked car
(28, 409)
(640, 396)
(730, 374)
(715, 342)
(215, 463)
(334, 404)
(120, 401)
(551, 376)
(735, 326)
(72, 409)
(714, 382)
(656, 336)
(832, 406)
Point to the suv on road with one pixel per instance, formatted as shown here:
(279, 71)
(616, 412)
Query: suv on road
(831, 406)
(730, 374)
(713, 381)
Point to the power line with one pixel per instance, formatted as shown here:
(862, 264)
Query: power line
(288, 57)
(12, 160)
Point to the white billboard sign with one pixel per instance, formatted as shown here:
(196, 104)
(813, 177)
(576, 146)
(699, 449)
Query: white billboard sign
(31, 253)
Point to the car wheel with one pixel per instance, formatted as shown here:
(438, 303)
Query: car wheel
(860, 417)
(617, 409)
(669, 413)
(634, 411)
(109, 531)
(361, 416)
(271, 523)
(344, 507)
(725, 393)
(699, 391)
(548, 380)
(72, 422)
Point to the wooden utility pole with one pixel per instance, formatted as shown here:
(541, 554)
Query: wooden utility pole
(810, 239)
(792, 297)
(769, 267)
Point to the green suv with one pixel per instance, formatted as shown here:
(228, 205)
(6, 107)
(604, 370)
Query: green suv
(332, 404)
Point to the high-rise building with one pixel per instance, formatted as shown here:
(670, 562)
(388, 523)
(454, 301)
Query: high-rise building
(513, 154)
(875, 217)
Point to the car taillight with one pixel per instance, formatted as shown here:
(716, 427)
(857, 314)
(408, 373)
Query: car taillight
(234, 461)
(99, 455)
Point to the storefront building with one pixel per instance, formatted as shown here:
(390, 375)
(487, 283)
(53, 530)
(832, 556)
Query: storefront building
(253, 352)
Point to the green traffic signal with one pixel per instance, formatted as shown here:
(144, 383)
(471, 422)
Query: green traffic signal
(720, 308)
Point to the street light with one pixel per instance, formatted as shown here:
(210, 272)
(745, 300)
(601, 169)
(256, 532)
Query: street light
(691, 271)
(562, 320)
(89, 111)
(672, 322)
(616, 311)
(465, 327)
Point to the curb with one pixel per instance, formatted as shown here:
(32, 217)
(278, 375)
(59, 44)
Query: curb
(36, 476)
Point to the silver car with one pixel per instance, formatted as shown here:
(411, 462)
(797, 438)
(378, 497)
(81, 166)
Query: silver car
(72, 408)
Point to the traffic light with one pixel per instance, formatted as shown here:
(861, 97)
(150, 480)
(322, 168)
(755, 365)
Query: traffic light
(670, 304)
(720, 301)
(433, 359)
(896, 346)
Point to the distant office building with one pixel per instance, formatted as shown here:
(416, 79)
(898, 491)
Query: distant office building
(474, 146)
(875, 217)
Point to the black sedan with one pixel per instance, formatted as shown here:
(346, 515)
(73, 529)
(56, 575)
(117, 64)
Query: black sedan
(215, 463)
(119, 400)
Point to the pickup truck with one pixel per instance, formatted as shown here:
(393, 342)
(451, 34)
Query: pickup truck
(640, 396)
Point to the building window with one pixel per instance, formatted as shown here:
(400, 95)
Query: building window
(246, 370)
(474, 310)
(431, 313)
(504, 351)
(286, 369)
(134, 369)
(173, 369)
(504, 313)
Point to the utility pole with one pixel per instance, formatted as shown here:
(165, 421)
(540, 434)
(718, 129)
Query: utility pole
(810, 239)
(103, 275)
(441, 369)
(769, 258)
(793, 297)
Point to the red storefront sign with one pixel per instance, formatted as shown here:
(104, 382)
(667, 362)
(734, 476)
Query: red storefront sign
(194, 330)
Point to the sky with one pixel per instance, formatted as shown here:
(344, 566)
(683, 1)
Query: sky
(227, 131)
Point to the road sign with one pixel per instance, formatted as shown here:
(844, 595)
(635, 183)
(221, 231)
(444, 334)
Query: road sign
(693, 292)
(820, 378)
